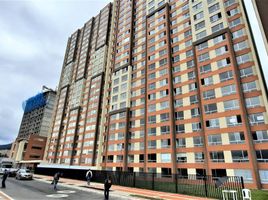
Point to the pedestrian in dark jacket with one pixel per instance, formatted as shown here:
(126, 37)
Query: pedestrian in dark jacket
(89, 175)
(107, 186)
(4, 177)
(56, 180)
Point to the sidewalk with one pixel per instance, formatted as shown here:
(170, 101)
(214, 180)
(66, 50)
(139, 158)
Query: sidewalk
(119, 191)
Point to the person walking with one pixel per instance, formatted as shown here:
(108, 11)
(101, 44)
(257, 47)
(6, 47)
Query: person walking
(56, 180)
(89, 176)
(4, 177)
(107, 186)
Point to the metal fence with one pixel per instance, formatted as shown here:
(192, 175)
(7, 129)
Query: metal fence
(203, 186)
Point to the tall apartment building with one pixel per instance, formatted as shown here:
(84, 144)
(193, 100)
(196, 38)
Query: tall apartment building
(35, 127)
(75, 135)
(183, 93)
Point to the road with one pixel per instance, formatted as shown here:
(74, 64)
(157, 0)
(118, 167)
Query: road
(37, 190)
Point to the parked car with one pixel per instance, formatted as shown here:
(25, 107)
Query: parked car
(7, 164)
(24, 174)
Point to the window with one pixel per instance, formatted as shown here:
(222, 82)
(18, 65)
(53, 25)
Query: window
(229, 3)
(203, 57)
(262, 155)
(201, 35)
(217, 156)
(151, 76)
(256, 118)
(238, 33)
(205, 69)
(263, 176)
(210, 108)
(197, 6)
(223, 63)
(195, 112)
(260, 136)
(224, 76)
(152, 157)
(199, 15)
(190, 64)
(236, 138)
(209, 94)
(178, 103)
(231, 105)
(215, 18)
(163, 82)
(219, 39)
(165, 143)
(181, 157)
(179, 115)
(214, 139)
(164, 130)
(228, 90)
(250, 86)
(163, 62)
(234, 120)
(221, 50)
(252, 102)
(213, 123)
(164, 117)
(202, 46)
(152, 108)
(164, 105)
(232, 12)
(175, 49)
(150, 97)
(213, 8)
(165, 157)
(207, 81)
(177, 79)
(199, 157)
(217, 27)
(180, 128)
(200, 25)
(243, 58)
(240, 156)
(191, 75)
(180, 142)
(246, 174)
(193, 99)
(163, 93)
(235, 23)
(240, 46)
(246, 72)
(192, 87)
(189, 53)
(196, 127)
(198, 141)
(151, 144)
(187, 34)
(178, 91)
(151, 86)
(152, 119)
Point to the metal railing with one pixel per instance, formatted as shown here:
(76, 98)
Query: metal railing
(203, 186)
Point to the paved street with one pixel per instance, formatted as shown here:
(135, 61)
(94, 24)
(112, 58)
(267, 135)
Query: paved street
(33, 190)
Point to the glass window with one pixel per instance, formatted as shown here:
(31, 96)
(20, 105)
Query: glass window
(214, 139)
(246, 174)
(236, 138)
(231, 105)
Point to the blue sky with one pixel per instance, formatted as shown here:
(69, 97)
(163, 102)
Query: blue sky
(33, 36)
